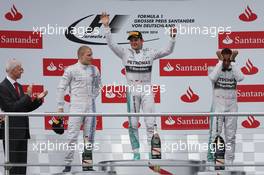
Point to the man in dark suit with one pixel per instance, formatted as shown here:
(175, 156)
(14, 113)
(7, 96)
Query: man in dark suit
(13, 99)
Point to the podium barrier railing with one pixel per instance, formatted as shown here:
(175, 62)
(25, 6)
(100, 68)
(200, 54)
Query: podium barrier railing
(7, 164)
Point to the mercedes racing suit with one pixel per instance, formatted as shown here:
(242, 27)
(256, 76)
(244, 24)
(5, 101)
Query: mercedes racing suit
(224, 84)
(84, 86)
(138, 74)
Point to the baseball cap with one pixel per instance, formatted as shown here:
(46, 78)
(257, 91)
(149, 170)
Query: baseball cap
(134, 34)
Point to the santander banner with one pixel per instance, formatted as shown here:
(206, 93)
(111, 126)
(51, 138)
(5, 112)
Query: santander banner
(186, 67)
(250, 93)
(56, 66)
(241, 40)
(48, 122)
(184, 122)
(117, 94)
(20, 39)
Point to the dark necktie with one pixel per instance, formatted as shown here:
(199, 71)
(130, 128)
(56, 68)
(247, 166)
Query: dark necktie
(17, 88)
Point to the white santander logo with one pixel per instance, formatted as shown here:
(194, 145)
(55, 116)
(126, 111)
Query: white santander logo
(51, 67)
(227, 40)
(170, 121)
(50, 122)
(168, 68)
(110, 95)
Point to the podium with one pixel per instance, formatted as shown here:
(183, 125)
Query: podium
(152, 167)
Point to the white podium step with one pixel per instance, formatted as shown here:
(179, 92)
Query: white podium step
(152, 167)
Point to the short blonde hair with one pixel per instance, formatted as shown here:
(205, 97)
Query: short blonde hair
(81, 50)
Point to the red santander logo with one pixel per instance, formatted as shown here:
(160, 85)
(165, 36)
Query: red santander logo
(249, 68)
(184, 122)
(48, 122)
(241, 40)
(56, 66)
(251, 122)
(250, 93)
(13, 14)
(248, 15)
(126, 124)
(189, 96)
(186, 67)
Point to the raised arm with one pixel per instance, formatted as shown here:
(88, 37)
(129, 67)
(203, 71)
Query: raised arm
(119, 51)
(233, 56)
(170, 47)
(219, 55)
(214, 75)
(237, 73)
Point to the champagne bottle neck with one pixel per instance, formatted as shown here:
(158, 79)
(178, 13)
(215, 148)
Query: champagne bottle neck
(85, 139)
(155, 129)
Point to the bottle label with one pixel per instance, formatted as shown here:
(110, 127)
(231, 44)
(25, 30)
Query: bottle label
(156, 151)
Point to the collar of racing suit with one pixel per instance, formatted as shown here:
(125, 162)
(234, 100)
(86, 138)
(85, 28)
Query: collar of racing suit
(227, 69)
(82, 65)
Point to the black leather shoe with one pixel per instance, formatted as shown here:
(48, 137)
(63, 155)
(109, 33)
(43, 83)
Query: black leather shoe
(66, 169)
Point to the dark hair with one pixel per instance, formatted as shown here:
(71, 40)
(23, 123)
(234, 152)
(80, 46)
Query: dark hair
(226, 51)
(134, 34)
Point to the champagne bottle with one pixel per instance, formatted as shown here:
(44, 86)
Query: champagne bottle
(87, 156)
(155, 145)
(219, 153)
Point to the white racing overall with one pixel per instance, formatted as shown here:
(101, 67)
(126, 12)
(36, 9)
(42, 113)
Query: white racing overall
(224, 84)
(84, 86)
(138, 73)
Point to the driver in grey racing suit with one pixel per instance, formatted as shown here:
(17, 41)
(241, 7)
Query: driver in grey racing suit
(138, 64)
(224, 79)
(84, 81)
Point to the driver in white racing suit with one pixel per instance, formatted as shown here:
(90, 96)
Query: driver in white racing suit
(84, 81)
(138, 64)
(224, 79)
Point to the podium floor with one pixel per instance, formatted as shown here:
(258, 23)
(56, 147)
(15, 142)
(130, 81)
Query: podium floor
(153, 167)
